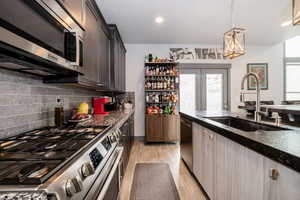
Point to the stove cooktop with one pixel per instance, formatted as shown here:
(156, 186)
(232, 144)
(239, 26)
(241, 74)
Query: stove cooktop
(32, 157)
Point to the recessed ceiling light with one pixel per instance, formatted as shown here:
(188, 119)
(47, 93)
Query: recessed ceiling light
(159, 20)
(286, 23)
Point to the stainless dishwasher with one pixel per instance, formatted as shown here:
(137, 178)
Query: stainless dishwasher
(186, 143)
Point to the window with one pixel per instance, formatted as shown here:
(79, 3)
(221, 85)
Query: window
(204, 88)
(292, 81)
(292, 69)
(292, 47)
(214, 92)
(187, 91)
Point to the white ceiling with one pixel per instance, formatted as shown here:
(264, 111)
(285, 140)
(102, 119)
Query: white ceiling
(197, 21)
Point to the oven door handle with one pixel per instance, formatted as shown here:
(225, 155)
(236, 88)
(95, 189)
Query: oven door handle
(110, 176)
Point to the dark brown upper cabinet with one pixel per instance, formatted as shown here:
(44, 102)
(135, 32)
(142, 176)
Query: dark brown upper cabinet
(75, 8)
(96, 46)
(104, 56)
(117, 60)
(103, 50)
(91, 49)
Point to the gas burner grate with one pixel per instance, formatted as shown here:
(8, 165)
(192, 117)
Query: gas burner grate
(32, 157)
(25, 172)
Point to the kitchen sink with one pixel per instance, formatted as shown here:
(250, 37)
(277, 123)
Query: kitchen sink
(245, 125)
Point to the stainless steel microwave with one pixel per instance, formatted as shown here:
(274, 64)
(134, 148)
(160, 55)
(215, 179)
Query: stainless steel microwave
(39, 36)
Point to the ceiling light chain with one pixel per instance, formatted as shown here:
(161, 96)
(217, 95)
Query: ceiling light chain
(231, 14)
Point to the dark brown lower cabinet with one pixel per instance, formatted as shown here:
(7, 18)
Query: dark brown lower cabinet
(162, 128)
(131, 130)
(127, 139)
(154, 131)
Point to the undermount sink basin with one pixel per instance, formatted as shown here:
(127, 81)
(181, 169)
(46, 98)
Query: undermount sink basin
(245, 125)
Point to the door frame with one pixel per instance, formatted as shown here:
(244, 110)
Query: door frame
(197, 67)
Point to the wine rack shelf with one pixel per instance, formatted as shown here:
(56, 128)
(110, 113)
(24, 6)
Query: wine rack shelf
(161, 100)
(160, 90)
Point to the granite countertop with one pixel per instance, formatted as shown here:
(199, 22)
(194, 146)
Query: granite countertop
(112, 119)
(282, 146)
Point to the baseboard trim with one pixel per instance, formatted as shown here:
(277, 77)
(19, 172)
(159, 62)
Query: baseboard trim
(141, 138)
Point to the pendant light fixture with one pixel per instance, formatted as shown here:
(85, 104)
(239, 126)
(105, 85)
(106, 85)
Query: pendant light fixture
(234, 39)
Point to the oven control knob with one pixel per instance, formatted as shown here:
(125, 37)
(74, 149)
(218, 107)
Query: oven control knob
(118, 133)
(112, 138)
(73, 186)
(87, 169)
(117, 136)
(114, 134)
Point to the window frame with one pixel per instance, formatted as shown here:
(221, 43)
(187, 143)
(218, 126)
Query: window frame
(288, 61)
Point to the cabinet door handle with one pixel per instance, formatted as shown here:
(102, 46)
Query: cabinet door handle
(274, 174)
(100, 84)
(211, 136)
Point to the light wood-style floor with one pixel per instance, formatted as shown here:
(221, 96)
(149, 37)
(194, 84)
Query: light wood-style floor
(168, 153)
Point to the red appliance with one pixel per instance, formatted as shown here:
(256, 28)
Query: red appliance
(98, 104)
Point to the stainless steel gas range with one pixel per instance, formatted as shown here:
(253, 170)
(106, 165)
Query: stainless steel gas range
(73, 163)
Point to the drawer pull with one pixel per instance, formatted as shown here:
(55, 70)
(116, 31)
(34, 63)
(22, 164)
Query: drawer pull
(274, 174)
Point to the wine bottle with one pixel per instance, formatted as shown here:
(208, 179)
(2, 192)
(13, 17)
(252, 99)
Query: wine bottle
(168, 83)
(159, 83)
(150, 58)
(146, 84)
(156, 98)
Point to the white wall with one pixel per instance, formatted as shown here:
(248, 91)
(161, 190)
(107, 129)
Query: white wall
(273, 55)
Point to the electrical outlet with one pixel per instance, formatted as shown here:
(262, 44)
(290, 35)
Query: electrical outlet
(59, 100)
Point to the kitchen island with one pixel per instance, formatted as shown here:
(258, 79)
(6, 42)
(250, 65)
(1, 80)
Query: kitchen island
(231, 163)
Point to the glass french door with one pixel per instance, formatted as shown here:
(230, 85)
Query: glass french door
(204, 89)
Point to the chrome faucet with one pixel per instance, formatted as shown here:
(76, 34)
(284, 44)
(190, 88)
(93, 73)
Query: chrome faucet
(258, 113)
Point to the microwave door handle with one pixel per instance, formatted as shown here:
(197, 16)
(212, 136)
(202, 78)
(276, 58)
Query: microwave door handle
(77, 49)
(77, 61)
